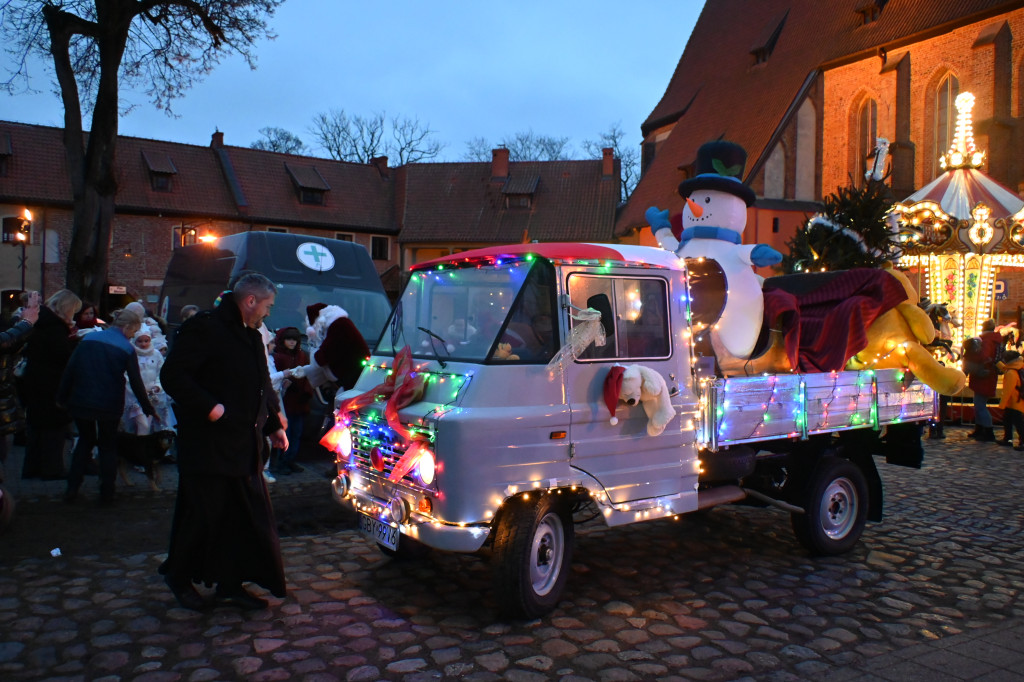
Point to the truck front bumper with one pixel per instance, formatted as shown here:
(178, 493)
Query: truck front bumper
(430, 531)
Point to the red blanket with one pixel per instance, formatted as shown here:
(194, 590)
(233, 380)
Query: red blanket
(824, 317)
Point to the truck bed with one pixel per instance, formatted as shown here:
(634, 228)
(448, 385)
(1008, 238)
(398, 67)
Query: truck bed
(759, 408)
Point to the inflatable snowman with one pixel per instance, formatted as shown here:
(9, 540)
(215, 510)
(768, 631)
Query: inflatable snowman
(712, 225)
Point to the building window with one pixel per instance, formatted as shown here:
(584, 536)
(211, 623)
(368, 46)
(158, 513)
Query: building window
(160, 182)
(17, 231)
(871, 10)
(5, 153)
(945, 113)
(775, 225)
(3, 166)
(380, 248)
(867, 135)
(161, 169)
(310, 186)
(278, 230)
(344, 236)
(185, 235)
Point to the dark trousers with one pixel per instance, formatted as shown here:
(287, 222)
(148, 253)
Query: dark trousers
(1013, 419)
(92, 433)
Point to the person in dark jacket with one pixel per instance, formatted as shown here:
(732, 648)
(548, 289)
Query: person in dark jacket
(980, 356)
(224, 531)
(12, 416)
(296, 395)
(46, 354)
(92, 391)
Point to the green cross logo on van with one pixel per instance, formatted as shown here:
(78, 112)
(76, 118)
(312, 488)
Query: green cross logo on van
(314, 256)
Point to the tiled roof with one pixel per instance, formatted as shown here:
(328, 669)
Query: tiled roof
(717, 92)
(37, 171)
(356, 195)
(458, 202)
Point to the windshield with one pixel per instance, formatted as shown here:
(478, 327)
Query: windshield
(368, 310)
(501, 313)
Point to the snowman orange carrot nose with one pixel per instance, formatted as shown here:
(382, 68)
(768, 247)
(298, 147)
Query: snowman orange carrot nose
(695, 209)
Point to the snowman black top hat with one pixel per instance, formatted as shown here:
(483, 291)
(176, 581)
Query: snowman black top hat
(720, 166)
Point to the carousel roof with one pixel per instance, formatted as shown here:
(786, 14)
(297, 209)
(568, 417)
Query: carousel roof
(959, 190)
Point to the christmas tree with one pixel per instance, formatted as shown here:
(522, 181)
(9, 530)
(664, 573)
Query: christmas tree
(853, 231)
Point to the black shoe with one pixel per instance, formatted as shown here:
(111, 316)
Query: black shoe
(1004, 443)
(241, 599)
(187, 597)
(295, 467)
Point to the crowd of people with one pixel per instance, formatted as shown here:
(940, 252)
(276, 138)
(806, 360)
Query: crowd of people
(234, 395)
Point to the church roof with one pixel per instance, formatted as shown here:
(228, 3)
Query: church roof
(747, 65)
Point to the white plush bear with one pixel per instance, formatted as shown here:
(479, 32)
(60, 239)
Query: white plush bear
(646, 386)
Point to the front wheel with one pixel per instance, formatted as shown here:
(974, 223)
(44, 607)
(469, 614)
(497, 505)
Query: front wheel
(835, 508)
(532, 555)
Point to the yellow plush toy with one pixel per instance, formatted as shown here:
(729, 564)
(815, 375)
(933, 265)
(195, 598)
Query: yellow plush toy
(895, 341)
(504, 352)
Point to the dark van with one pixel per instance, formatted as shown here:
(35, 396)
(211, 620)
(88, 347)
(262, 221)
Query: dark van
(306, 270)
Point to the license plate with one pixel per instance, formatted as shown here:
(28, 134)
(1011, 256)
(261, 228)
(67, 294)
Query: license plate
(377, 530)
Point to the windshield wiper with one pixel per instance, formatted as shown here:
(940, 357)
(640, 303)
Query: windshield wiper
(444, 344)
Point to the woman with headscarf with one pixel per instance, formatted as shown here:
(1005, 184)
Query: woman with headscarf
(46, 355)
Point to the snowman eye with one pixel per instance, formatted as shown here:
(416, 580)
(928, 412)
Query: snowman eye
(707, 200)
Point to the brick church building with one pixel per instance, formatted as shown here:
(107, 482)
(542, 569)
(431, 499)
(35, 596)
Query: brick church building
(806, 87)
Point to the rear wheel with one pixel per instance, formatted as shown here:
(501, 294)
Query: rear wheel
(835, 508)
(532, 554)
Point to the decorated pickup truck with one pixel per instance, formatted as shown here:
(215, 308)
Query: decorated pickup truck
(514, 386)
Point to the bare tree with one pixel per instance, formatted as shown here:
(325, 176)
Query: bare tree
(478, 149)
(528, 146)
(162, 47)
(361, 138)
(629, 156)
(278, 140)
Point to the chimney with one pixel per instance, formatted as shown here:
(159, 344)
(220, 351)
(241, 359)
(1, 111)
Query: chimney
(217, 139)
(607, 162)
(381, 164)
(499, 164)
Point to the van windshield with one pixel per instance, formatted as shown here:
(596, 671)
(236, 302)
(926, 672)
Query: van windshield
(368, 310)
(501, 313)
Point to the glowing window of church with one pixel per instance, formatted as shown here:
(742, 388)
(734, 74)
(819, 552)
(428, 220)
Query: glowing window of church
(867, 134)
(945, 113)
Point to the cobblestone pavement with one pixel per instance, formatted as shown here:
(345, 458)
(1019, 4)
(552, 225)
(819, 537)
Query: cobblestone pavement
(932, 593)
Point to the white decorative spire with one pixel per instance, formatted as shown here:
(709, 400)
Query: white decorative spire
(962, 153)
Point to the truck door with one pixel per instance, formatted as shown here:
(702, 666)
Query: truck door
(638, 317)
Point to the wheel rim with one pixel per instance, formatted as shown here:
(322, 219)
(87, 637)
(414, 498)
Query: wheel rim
(546, 554)
(839, 508)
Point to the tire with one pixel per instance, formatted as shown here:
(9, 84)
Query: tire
(532, 555)
(835, 503)
(6, 508)
(408, 549)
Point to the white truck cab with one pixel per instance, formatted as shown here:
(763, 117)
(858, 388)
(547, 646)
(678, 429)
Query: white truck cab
(482, 419)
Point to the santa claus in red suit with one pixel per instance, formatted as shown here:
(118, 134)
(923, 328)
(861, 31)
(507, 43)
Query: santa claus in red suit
(336, 348)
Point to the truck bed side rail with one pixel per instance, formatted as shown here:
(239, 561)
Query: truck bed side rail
(774, 406)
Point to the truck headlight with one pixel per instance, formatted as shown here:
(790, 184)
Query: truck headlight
(426, 467)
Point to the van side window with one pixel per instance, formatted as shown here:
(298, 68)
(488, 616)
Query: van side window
(634, 312)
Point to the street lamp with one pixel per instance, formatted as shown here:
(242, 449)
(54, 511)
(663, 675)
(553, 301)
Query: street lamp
(22, 237)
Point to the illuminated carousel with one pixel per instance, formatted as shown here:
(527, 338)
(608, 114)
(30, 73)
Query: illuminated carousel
(959, 230)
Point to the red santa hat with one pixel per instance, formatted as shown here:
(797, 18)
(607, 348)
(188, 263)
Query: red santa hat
(313, 310)
(612, 388)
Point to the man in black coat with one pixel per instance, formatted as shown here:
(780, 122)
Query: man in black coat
(224, 530)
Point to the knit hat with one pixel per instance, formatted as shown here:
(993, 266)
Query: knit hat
(313, 310)
(612, 387)
(137, 307)
(144, 331)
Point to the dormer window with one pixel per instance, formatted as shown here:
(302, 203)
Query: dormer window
(5, 153)
(765, 43)
(161, 170)
(870, 10)
(519, 191)
(310, 186)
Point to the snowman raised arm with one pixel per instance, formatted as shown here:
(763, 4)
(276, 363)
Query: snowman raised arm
(713, 220)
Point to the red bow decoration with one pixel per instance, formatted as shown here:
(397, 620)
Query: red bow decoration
(402, 387)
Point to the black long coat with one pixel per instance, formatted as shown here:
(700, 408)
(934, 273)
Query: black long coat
(217, 359)
(46, 355)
